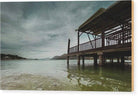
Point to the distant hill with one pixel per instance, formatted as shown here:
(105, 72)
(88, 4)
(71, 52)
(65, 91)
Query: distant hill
(64, 56)
(60, 57)
(10, 57)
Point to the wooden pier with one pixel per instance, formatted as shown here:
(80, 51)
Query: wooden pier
(110, 30)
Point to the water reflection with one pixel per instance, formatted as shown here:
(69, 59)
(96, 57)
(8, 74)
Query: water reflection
(88, 77)
(100, 78)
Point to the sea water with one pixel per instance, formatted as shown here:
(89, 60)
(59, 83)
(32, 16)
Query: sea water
(54, 75)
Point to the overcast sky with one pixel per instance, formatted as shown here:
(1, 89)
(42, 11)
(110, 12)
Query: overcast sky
(42, 29)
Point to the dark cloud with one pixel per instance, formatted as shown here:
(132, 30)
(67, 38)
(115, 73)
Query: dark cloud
(41, 29)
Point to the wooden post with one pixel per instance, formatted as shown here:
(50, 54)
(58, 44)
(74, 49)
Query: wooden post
(95, 43)
(78, 49)
(78, 60)
(90, 40)
(119, 39)
(83, 61)
(122, 33)
(100, 59)
(68, 52)
(95, 60)
(112, 60)
(117, 59)
(78, 41)
(104, 59)
(103, 41)
(122, 60)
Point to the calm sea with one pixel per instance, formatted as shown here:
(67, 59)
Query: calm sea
(54, 75)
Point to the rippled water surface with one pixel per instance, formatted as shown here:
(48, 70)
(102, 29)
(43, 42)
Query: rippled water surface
(54, 75)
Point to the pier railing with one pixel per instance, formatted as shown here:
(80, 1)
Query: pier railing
(117, 36)
(93, 44)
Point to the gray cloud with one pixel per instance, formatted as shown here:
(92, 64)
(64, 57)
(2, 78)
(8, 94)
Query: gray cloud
(41, 29)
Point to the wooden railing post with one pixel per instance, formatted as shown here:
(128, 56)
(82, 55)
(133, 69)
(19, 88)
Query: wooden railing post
(95, 41)
(78, 57)
(78, 48)
(122, 60)
(90, 40)
(68, 52)
(83, 61)
(103, 41)
(95, 60)
(117, 59)
(123, 33)
(68, 45)
(78, 41)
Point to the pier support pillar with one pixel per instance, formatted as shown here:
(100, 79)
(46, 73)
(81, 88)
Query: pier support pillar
(83, 64)
(67, 61)
(112, 60)
(117, 59)
(122, 60)
(68, 53)
(101, 59)
(78, 60)
(95, 60)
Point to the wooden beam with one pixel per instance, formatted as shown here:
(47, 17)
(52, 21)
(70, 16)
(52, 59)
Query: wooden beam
(90, 40)
(93, 36)
(68, 53)
(122, 60)
(123, 33)
(103, 41)
(112, 60)
(83, 61)
(91, 33)
(87, 32)
(78, 41)
(95, 60)
(80, 34)
(117, 59)
(95, 41)
(78, 57)
(68, 46)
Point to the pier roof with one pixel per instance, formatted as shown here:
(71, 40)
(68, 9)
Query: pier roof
(105, 19)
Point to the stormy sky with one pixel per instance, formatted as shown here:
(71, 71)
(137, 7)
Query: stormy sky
(42, 29)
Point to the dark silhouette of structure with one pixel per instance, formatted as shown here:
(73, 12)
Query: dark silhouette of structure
(111, 32)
